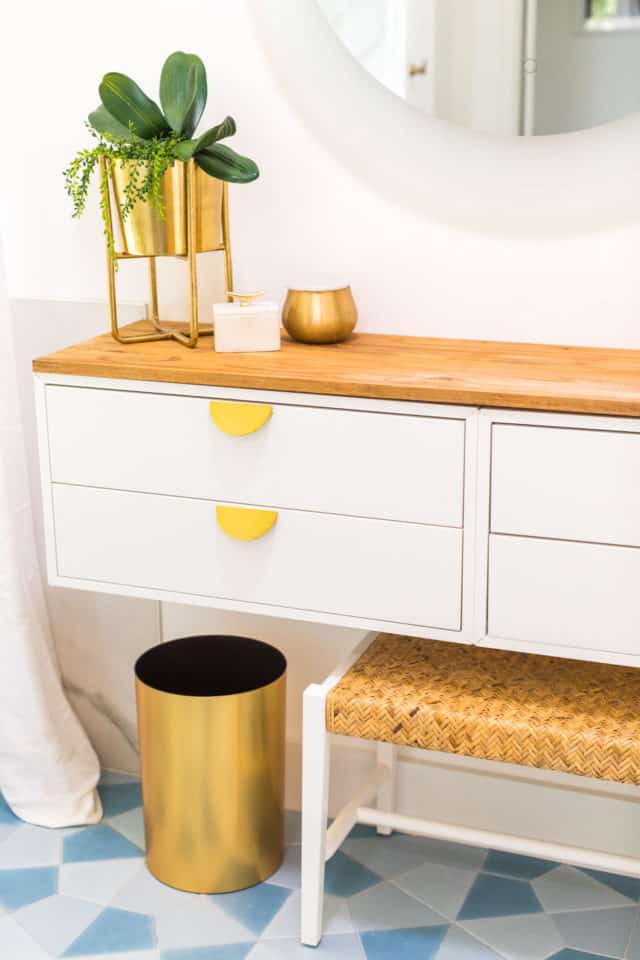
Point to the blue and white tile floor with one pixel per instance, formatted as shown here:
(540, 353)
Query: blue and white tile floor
(86, 893)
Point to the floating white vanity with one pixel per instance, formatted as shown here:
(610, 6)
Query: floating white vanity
(460, 490)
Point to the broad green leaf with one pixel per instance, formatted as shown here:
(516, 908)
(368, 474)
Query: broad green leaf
(189, 148)
(225, 164)
(102, 121)
(185, 149)
(183, 91)
(221, 130)
(125, 101)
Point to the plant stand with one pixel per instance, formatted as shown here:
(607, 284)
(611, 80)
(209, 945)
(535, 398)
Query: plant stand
(190, 338)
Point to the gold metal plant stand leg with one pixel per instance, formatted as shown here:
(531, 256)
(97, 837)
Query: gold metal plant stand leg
(164, 333)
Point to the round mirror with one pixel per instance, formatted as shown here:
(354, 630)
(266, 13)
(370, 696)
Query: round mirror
(500, 66)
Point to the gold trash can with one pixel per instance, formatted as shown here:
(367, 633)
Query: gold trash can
(211, 722)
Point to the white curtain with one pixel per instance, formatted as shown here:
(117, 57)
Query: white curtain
(48, 769)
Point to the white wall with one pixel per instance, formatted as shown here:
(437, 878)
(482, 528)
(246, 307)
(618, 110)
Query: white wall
(410, 273)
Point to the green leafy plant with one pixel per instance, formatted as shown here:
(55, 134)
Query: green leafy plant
(130, 128)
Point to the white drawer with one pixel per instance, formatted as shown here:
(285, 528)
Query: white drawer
(564, 594)
(375, 569)
(312, 458)
(569, 484)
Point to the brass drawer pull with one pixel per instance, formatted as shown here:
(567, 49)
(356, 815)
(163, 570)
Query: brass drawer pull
(239, 419)
(245, 523)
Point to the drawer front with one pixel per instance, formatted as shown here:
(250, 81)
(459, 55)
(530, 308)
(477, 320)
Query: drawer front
(374, 569)
(569, 484)
(336, 461)
(564, 594)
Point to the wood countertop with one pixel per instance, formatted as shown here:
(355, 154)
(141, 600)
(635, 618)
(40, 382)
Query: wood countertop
(472, 372)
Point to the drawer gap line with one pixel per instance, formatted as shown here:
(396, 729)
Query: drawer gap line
(243, 503)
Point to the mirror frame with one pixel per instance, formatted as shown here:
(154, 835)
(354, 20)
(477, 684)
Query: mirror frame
(573, 182)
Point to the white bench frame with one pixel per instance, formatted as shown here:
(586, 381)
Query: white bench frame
(320, 842)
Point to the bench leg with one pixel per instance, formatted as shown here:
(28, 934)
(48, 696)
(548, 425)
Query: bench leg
(315, 799)
(387, 792)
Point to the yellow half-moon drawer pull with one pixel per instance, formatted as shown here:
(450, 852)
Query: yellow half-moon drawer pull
(245, 523)
(239, 419)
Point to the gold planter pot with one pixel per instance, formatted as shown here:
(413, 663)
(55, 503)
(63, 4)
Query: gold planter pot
(319, 316)
(196, 221)
(211, 724)
(144, 234)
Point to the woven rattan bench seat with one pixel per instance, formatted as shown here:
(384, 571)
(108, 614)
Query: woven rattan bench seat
(538, 711)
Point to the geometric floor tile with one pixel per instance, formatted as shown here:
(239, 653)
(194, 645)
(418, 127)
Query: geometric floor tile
(119, 797)
(633, 950)
(443, 888)
(460, 945)
(98, 843)
(126, 955)
(288, 874)
(7, 816)
(417, 942)
(6, 829)
(492, 896)
(345, 877)
(30, 846)
(566, 888)
(286, 923)
(387, 898)
(200, 923)
(386, 856)
(386, 907)
(255, 907)
(131, 825)
(361, 831)
(627, 886)
(447, 854)
(532, 937)
(600, 931)
(96, 880)
(19, 887)
(113, 931)
(16, 944)
(569, 954)
(182, 919)
(56, 922)
(229, 951)
(343, 946)
(142, 893)
(512, 865)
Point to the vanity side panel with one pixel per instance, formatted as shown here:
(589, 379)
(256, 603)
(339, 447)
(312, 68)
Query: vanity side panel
(44, 457)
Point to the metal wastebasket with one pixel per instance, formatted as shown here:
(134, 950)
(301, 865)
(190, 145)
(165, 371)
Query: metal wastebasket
(211, 721)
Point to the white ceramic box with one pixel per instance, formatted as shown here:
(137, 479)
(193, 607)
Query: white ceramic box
(246, 327)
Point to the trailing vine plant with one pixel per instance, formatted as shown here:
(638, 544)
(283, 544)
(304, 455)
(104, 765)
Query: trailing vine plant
(131, 129)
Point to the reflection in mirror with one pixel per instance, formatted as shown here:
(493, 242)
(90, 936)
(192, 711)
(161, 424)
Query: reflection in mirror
(500, 66)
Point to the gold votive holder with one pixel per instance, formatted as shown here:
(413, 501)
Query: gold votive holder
(320, 314)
